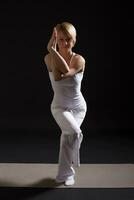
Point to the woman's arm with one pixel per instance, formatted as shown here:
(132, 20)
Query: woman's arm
(77, 65)
(47, 61)
(53, 40)
(58, 60)
(56, 73)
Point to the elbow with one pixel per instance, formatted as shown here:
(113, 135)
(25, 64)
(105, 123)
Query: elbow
(66, 70)
(57, 79)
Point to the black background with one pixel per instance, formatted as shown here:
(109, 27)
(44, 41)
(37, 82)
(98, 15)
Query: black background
(104, 38)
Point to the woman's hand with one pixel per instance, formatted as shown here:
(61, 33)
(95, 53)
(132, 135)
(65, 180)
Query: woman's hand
(53, 40)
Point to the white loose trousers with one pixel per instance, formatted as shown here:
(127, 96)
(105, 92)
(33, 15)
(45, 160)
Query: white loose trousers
(69, 121)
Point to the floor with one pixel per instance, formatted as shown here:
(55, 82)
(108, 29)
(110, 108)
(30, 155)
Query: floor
(87, 175)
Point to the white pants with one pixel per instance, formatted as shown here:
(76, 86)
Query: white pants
(69, 122)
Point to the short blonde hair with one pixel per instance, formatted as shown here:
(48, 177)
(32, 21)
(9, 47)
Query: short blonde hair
(68, 29)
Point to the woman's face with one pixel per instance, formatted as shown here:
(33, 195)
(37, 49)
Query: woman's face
(63, 41)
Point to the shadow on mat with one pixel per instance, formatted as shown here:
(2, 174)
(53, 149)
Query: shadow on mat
(10, 190)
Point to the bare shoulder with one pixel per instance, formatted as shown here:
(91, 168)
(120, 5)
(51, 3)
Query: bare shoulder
(47, 60)
(79, 61)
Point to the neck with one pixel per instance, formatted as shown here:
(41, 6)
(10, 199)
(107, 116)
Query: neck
(66, 53)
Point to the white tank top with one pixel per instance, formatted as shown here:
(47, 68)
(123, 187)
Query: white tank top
(67, 92)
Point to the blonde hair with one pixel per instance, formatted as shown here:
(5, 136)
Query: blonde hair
(68, 29)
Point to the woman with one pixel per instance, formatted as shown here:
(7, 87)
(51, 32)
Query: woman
(68, 107)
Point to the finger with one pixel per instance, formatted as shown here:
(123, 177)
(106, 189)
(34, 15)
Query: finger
(55, 31)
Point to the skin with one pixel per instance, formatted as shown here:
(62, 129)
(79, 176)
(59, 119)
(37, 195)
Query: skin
(58, 61)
